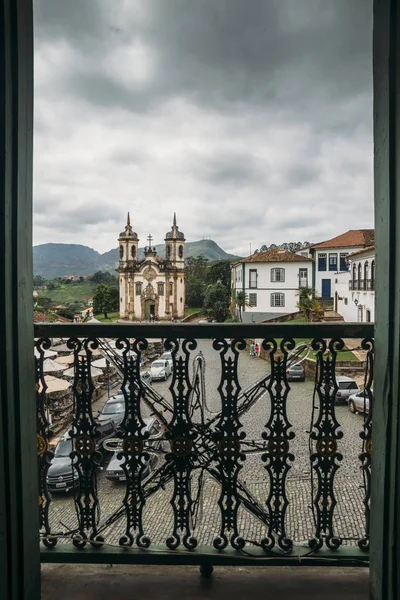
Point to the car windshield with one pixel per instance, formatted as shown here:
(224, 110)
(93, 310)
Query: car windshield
(297, 367)
(63, 448)
(157, 365)
(113, 407)
(347, 385)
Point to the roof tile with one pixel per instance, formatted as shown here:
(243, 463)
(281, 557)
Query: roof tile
(353, 237)
(274, 255)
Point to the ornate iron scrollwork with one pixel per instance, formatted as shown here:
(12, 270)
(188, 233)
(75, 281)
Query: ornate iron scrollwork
(85, 457)
(43, 435)
(325, 433)
(133, 431)
(227, 435)
(278, 432)
(366, 436)
(182, 436)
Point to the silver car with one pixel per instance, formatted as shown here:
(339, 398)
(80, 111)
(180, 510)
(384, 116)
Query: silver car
(359, 402)
(160, 370)
(115, 472)
(346, 388)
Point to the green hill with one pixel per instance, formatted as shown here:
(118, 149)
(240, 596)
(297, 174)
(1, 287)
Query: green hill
(56, 260)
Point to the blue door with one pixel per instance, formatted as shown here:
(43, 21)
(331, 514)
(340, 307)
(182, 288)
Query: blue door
(326, 288)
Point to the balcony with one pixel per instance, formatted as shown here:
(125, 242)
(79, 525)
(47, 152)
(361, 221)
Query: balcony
(226, 475)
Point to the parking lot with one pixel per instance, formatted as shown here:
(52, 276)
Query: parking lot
(348, 521)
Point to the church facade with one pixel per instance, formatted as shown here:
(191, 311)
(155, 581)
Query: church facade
(151, 287)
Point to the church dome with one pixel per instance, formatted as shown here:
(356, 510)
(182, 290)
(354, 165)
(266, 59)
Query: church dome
(175, 234)
(128, 233)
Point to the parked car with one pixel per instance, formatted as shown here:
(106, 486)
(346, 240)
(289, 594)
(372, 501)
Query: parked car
(347, 387)
(168, 356)
(296, 373)
(112, 412)
(61, 476)
(160, 370)
(114, 470)
(359, 402)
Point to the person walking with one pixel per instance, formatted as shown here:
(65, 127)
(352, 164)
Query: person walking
(256, 350)
(251, 349)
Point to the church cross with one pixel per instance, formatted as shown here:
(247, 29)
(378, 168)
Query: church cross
(150, 238)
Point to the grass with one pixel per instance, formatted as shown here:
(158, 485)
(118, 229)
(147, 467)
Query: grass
(344, 354)
(190, 311)
(68, 293)
(112, 317)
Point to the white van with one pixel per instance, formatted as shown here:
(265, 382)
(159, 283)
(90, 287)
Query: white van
(160, 370)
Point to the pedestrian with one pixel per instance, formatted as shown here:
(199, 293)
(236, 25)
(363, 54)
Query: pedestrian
(200, 357)
(256, 350)
(251, 349)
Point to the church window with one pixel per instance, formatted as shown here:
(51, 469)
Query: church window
(138, 288)
(121, 251)
(160, 287)
(180, 251)
(168, 252)
(133, 252)
(171, 288)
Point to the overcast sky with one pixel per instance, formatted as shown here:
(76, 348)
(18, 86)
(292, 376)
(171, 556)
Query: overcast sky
(252, 119)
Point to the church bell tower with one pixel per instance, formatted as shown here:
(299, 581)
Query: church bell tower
(128, 255)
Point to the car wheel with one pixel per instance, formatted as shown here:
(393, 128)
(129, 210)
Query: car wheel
(352, 407)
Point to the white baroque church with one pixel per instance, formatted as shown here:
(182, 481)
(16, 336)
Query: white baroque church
(152, 287)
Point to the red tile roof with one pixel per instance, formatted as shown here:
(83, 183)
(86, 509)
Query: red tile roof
(40, 317)
(273, 255)
(362, 251)
(353, 237)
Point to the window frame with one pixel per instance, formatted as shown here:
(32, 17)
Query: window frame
(274, 273)
(251, 280)
(322, 256)
(253, 300)
(334, 257)
(273, 298)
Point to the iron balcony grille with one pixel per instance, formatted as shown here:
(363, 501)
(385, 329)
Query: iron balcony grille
(230, 458)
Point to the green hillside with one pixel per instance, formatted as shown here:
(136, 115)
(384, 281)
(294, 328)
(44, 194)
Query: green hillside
(56, 260)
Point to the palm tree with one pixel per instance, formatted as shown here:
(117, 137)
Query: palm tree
(308, 304)
(241, 300)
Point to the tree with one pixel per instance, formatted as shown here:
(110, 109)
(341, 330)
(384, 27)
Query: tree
(102, 299)
(196, 280)
(309, 305)
(43, 302)
(220, 271)
(242, 301)
(38, 281)
(104, 277)
(216, 301)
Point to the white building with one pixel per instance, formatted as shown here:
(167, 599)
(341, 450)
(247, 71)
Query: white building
(271, 281)
(330, 258)
(152, 286)
(354, 291)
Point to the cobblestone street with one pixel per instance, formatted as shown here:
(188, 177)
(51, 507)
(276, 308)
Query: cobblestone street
(348, 520)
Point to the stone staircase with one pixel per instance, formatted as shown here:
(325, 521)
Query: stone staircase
(332, 316)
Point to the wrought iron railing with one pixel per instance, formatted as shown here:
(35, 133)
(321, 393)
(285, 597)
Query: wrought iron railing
(228, 461)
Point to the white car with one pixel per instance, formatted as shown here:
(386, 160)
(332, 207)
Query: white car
(160, 370)
(168, 356)
(359, 402)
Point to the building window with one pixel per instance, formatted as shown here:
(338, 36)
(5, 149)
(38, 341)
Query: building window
(160, 289)
(180, 251)
(321, 262)
(343, 262)
(373, 275)
(121, 251)
(346, 301)
(133, 252)
(171, 289)
(253, 300)
(366, 270)
(303, 277)
(168, 252)
(277, 274)
(333, 262)
(277, 299)
(138, 288)
(253, 278)
(359, 273)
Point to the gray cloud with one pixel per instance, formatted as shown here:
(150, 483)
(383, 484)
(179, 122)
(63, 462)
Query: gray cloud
(251, 119)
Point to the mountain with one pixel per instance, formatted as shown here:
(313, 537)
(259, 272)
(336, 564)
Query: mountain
(55, 260)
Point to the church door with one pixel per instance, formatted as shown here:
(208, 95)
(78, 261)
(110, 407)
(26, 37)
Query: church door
(149, 309)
